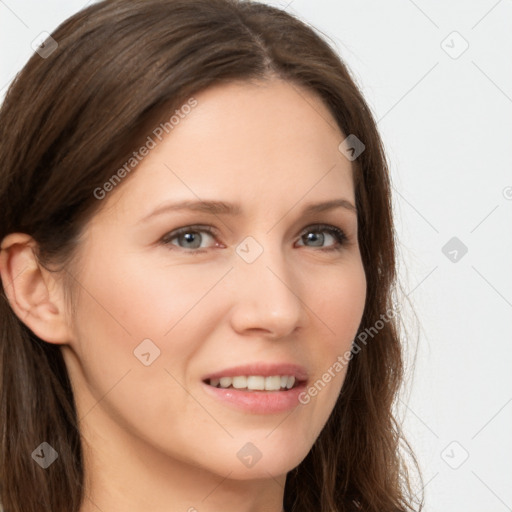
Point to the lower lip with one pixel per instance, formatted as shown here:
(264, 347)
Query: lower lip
(259, 402)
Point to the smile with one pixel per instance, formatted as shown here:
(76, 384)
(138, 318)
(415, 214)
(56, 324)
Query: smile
(254, 382)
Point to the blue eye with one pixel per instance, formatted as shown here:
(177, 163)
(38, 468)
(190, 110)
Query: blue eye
(333, 231)
(191, 237)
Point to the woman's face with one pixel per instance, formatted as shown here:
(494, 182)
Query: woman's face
(160, 312)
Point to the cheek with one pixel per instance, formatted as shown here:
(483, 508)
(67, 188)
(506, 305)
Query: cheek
(134, 300)
(147, 321)
(123, 308)
(340, 310)
(340, 306)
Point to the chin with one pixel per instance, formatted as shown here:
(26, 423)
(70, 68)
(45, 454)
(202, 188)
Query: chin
(262, 459)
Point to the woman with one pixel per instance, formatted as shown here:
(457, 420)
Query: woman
(197, 240)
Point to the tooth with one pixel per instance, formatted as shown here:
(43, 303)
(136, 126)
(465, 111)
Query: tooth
(225, 382)
(240, 382)
(273, 383)
(256, 382)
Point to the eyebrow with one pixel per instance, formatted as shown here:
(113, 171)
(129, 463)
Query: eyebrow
(223, 208)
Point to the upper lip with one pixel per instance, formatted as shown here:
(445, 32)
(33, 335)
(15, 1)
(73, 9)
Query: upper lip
(264, 369)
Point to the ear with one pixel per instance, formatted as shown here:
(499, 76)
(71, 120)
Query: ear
(32, 291)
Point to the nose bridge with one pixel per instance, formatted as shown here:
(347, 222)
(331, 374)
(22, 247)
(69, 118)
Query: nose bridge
(267, 297)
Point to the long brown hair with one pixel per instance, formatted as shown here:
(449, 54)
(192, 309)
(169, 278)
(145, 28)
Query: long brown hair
(71, 119)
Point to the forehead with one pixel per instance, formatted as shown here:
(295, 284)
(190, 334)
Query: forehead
(269, 142)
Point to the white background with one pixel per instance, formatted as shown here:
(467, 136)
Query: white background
(447, 126)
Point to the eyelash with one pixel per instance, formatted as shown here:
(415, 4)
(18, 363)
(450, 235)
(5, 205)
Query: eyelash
(337, 233)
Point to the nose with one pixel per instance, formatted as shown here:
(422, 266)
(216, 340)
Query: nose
(266, 296)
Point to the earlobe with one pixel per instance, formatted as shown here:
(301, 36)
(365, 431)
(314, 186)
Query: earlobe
(32, 291)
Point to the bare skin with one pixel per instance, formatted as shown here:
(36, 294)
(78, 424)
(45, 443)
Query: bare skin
(153, 438)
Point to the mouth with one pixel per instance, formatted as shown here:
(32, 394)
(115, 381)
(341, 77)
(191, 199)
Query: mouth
(271, 383)
(258, 388)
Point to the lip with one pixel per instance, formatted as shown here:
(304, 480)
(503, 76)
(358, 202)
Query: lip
(264, 369)
(259, 402)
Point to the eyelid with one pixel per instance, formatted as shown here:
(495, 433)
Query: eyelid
(327, 227)
(338, 233)
(190, 228)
